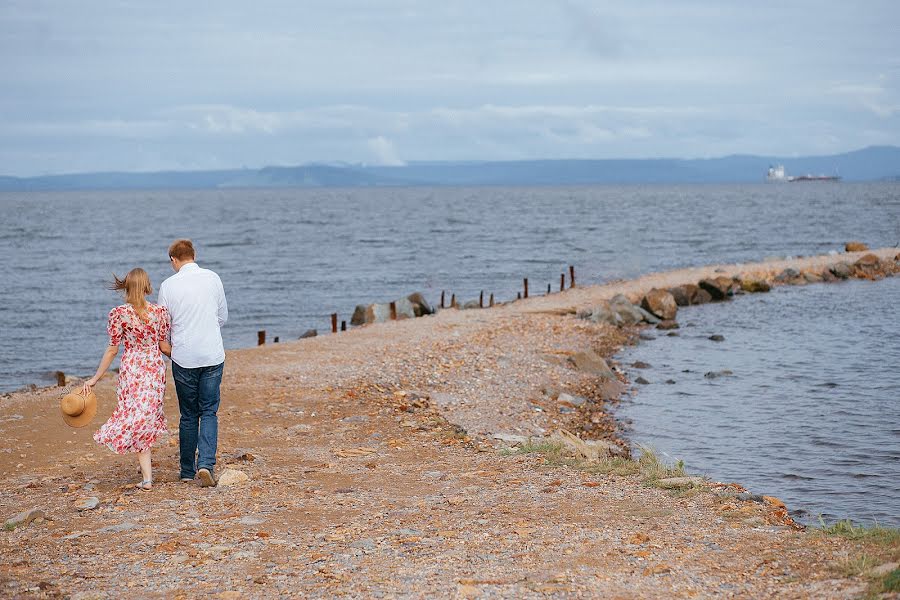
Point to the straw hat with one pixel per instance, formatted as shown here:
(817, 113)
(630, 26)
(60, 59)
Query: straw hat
(78, 409)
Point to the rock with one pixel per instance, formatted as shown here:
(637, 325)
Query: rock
(232, 477)
(471, 304)
(660, 303)
(592, 363)
(251, 521)
(701, 296)
(828, 276)
(630, 314)
(670, 381)
(359, 315)
(591, 450)
(118, 528)
(867, 261)
(673, 334)
(87, 503)
(812, 277)
(603, 314)
(841, 270)
(715, 288)
(679, 482)
(855, 247)
(364, 544)
(648, 316)
(717, 374)
(510, 438)
(667, 325)
(755, 286)
(717, 338)
(420, 304)
(24, 518)
(682, 294)
(642, 381)
(570, 400)
(882, 570)
(377, 313)
(640, 365)
(405, 309)
(309, 333)
(789, 276)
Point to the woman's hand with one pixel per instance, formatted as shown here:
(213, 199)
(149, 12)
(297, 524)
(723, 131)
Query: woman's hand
(88, 386)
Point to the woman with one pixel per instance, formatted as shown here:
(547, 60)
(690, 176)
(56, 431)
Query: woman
(138, 419)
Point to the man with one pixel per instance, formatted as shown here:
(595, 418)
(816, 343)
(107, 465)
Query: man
(196, 302)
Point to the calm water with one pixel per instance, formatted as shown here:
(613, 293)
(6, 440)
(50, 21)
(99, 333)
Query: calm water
(811, 413)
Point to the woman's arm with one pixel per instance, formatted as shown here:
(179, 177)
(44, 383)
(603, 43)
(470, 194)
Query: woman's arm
(107, 359)
(165, 347)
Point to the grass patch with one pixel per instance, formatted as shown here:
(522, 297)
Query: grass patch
(9, 526)
(554, 454)
(851, 567)
(885, 536)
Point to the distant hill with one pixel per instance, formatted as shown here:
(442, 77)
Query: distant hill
(876, 163)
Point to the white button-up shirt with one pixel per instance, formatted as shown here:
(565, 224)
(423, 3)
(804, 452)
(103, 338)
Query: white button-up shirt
(196, 302)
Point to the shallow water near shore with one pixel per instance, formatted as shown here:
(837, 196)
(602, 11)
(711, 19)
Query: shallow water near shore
(811, 411)
(290, 257)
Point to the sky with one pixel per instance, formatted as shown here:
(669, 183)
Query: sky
(104, 85)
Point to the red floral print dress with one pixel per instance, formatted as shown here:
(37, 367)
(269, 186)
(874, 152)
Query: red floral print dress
(138, 419)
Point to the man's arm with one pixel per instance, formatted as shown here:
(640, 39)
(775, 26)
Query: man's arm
(222, 312)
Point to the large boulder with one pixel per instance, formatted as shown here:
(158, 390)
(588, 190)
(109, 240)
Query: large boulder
(719, 288)
(591, 363)
(420, 304)
(855, 247)
(790, 276)
(660, 303)
(683, 294)
(841, 270)
(755, 286)
(701, 296)
(359, 315)
(869, 266)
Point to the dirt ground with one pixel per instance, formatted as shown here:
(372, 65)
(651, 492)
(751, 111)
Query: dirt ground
(374, 473)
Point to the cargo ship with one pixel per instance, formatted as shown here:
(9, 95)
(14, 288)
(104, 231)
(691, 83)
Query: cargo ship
(777, 174)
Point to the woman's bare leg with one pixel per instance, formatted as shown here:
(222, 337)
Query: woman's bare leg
(146, 465)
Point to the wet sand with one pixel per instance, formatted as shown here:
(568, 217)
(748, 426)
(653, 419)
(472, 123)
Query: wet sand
(373, 472)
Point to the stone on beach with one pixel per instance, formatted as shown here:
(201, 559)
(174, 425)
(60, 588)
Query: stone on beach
(410, 307)
(855, 247)
(755, 286)
(87, 503)
(679, 482)
(668, 325)
(592, 363)
(232, 477)
(591, 450)
(718, 289)
(841, 270)
(660, 303)
(309, 333)
(24, 518)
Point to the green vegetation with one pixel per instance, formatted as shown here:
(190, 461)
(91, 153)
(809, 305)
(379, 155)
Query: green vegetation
(648, 465)
(886, 536)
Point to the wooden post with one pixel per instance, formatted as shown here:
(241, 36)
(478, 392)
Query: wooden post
(571, 276)
(333, 322)
(562, 282)
(548, 289)
(393, 311)
(442, 298)
(60, 379)
(275, 341)
(481, 299)
(518, 295)
(491, 301)
(525, 295)
(260, 337)
(453, 301)
(343, 325)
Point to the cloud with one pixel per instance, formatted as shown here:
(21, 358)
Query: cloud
(384, 151)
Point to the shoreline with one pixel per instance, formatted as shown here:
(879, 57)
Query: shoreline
(377, 445)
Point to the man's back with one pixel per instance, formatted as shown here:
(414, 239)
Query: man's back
(196, 302)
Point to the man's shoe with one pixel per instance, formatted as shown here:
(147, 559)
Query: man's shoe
(187, 479)
(206, 478)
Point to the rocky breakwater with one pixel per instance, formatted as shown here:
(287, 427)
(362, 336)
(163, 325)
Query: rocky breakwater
(414, 305)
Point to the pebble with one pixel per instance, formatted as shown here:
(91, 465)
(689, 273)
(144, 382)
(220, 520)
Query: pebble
(717, 338)
(642, 381)
(88, 503)
(251, 521)
(570, 400)
(118, 528)
(679, 482)
(232, 477)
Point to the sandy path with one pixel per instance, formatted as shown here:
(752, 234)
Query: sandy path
(416, 508)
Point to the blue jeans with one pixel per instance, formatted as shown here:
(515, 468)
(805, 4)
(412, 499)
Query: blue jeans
(198, 428)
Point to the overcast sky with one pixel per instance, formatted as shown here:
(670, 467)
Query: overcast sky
(137, 85)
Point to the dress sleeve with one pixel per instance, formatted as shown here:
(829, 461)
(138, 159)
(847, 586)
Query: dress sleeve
(114, 327)
(165, 324)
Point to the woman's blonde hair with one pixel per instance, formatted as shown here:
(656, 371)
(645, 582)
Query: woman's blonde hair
(136, 287)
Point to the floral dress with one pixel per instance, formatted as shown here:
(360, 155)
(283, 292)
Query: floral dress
(138, 419)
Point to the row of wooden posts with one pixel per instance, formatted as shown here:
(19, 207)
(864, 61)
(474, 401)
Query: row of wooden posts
(261, 335)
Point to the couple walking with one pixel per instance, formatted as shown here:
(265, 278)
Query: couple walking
(184, 325)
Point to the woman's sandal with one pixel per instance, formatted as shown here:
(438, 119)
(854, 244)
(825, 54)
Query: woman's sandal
(145, 485)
